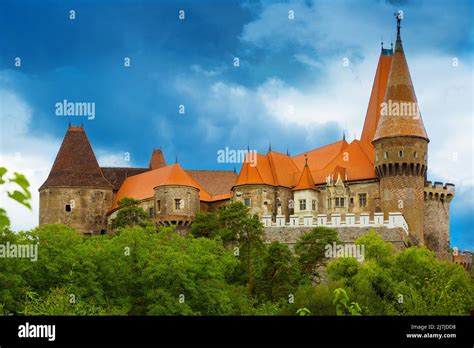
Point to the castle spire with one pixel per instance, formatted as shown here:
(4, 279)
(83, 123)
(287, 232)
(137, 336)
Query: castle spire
(270, 147)
(399, 114)
(305, 181)
(157, 159)
(398, 44)
(376, 97)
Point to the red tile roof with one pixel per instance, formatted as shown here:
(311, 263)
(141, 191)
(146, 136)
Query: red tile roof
(306, 180)
(376, 98)
(216, 182)
(117, 175)
(75, 164)
(400, 91)
(142, 186)
(157, 159)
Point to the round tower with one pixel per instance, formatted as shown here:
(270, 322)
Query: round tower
(177, 198)
(401, 146)
(76, 192)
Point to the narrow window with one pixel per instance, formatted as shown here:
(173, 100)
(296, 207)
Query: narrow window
(247, 202)
(313, 205)
(68, 208)
(400, 153)
(415, 154)
(158, 205)
(362, 199)
(385, 155)
(151, 212)
(177, 204)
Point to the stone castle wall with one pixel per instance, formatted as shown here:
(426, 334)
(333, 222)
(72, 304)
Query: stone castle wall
(290, 235)
(436, 218)
(88, 208)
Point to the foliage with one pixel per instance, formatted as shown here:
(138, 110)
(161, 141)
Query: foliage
(222, 267)
(311, 249)
(410, 282)
(303, 312)
(130, 214)
(343, 307)
(21, 196)
(279, 274)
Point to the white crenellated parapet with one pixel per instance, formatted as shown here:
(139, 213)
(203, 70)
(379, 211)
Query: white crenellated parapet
(336, 219)
(378, 219)
(395, 220)
(322, 219)
(267, 220)
(350, 220)
(308, 220)
(364, 219)
(280, 220)
(294, 220)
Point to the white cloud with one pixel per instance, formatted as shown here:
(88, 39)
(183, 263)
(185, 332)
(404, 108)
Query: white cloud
(32, 154)
(24, 152)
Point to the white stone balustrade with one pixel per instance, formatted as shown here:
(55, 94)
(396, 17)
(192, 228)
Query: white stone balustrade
(280, 220)
(378, 219)
(350, 219)
(395, 220)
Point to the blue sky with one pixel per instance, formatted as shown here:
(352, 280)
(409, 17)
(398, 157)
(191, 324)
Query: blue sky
(283, 63)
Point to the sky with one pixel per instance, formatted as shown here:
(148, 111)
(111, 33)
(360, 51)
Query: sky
(300, 82)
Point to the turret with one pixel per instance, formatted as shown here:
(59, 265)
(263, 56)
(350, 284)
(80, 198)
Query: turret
(176, 198)
(76, 192)
(305, 195)
(401, 146)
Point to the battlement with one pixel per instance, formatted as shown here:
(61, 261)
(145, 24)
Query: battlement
(464, 259)
(439, 192)
(395, 220)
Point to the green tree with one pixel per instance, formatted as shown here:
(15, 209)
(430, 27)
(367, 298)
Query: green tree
(410, 282)
(21, 195)
(311, 249)
(61, 301)
(343, 306)
(130, 214)
(279, 275)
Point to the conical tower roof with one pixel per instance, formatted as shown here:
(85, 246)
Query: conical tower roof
(400, 114)
(75, 164)
(306, 179)
(157, 159)
(377, 95)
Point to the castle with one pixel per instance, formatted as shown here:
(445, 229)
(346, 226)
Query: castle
(379, 180)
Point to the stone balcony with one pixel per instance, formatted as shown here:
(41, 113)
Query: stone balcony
(395, 220)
